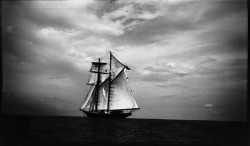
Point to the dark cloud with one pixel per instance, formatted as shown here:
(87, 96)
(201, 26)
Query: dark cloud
(157, 77)
(161, 74)
(230, 105)
(235, 44)
(154, 77)
(164, 69)
(18, 50)
(26, 57)
(167, 96)
(208, 71)
(226, 70)
(173, 86)
(207, 60)
(19, 11)
(236, 62)
(144, 33)
(179, 70)
(235, 70)
(165, 25)
(16, 103)
(221, 9)
(53, 69)
(225, 41)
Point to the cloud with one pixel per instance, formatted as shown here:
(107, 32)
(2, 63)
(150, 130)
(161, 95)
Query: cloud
(209, 105)
(207, 60)
(221, 9)
(173, 86)
(129, 15)
(179, 29)
(171, 69)
(152, 20)
(29, 105)
(168, 96)
(71, 15)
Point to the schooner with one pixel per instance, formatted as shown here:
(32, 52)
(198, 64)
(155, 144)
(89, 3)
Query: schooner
(110, 94)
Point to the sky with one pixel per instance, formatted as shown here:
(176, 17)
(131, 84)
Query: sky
(188, 58)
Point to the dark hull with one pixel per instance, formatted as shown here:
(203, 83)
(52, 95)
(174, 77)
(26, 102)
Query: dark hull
(105, 115)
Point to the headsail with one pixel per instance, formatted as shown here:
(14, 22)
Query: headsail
(88, 100)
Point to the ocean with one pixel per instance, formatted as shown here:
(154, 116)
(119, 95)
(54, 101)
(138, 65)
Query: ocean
(100, 131)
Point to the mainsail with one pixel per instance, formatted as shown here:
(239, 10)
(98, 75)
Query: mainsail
(121, 95)
(110, 89)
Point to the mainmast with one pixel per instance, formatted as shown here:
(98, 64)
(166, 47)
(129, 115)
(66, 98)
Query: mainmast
(110, 57)
(97, 84)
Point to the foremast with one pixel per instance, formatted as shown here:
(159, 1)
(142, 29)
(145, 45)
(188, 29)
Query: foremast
(97, 70)
(97, 85)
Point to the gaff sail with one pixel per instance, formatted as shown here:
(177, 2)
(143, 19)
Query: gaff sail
(121, 97)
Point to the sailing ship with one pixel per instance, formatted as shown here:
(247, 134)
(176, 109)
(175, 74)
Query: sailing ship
(110, 93)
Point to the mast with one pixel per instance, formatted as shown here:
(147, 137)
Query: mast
(97, 84)
(110, 57)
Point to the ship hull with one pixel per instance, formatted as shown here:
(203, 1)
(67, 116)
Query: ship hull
(107, 115)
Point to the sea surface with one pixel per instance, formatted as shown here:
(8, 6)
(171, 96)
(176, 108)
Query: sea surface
(100, 131)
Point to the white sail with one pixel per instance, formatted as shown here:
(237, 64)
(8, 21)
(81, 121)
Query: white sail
(135, 104)
(94, 72)
(93, 78)
(95, 65)
(121, 94)
(88, 99)
(116, 68)
(103, 95)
